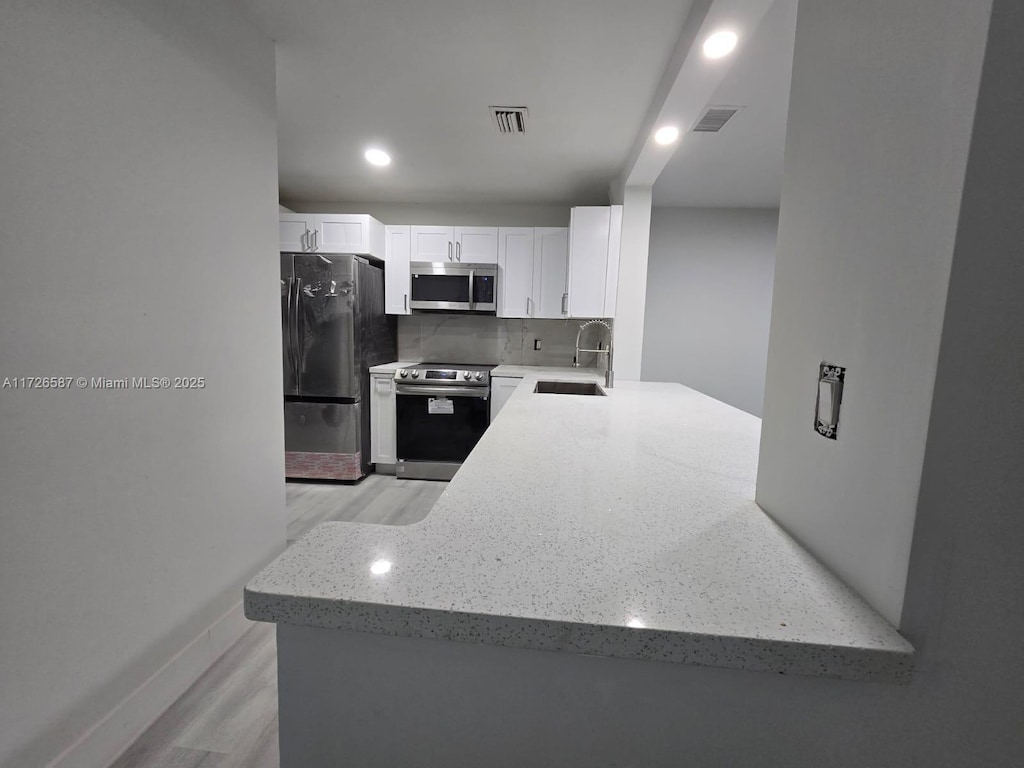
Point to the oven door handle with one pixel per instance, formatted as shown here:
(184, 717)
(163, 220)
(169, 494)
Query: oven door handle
(428, 391)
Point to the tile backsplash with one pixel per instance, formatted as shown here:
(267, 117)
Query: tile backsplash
(438, 338)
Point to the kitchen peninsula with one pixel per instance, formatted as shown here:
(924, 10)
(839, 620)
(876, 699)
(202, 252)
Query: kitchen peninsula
(615, 526)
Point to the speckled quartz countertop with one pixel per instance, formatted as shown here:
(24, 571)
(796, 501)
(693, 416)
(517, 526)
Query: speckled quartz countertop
(619, 526)
(520, 371)
(391, 367)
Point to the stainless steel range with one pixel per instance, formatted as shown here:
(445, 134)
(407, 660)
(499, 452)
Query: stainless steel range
(441, 412)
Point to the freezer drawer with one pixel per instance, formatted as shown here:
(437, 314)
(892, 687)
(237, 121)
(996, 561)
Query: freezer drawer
(323, 440)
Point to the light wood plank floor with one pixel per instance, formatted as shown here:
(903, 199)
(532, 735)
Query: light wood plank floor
(228, 718)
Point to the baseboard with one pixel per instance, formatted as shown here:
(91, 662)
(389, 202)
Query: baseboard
(104, 742)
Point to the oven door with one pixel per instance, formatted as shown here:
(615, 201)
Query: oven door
(437, 427)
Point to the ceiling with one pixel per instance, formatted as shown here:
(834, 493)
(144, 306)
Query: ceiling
(741, 166)
(416, 78)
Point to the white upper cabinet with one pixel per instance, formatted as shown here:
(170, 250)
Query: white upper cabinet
(295, 232)
(592, 284)
(476, 245)
(396, 269)
(349, 233)
(611, 290)
(515, 272)
(357, 233)
(550, 263)
(433, 243)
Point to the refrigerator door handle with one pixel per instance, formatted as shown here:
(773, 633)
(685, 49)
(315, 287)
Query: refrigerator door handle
(296, 336)
(288, 320)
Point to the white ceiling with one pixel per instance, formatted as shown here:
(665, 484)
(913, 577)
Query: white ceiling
(417, 77)
(741, 166)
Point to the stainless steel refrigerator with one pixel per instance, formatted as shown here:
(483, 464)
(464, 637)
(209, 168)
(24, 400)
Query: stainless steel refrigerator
(334, 328)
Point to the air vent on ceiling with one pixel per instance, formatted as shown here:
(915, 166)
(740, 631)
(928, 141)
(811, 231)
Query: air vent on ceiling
(714, 118)
(509, 119)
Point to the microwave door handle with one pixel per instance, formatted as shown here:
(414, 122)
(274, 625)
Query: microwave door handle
(472, 291)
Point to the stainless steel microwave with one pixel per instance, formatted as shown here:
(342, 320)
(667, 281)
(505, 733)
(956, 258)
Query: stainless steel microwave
(454, 287)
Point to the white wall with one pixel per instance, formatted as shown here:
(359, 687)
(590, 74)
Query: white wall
(709, 301)
(454, 214)
(879, 121)
(138, 197)
(966, 582)
(632, 295)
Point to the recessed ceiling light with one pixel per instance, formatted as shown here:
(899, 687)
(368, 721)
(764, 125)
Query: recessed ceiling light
(666, 135)
(720, 44)
(377, 157)
(380, 567)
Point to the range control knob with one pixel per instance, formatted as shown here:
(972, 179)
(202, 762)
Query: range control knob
(415, 374)
(465, 375)
(478, 376)
(403, 373)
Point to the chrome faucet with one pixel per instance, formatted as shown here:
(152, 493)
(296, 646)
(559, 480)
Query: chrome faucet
(609, 374)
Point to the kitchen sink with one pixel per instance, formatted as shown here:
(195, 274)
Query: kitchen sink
(568, 388)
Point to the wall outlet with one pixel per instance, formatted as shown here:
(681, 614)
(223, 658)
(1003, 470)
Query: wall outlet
(830, 396)
(536, 345)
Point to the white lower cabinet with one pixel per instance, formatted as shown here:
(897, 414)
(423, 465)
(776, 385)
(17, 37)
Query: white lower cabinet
(383, 443)
(502, 388)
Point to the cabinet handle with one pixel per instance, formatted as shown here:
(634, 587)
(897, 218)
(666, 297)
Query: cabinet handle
(305, 240)
(450, 251)
(458, 251)
(529, 313)
(565, 298)
(405, 301)
(316, 239)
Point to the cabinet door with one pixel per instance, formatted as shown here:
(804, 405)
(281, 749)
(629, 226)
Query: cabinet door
(588, 260)
(396, 270)
(433, 243)
(382, 419)
(476, 245)
(515, 272)
(611, 282)
(294, 230)
(550, 259)
(349, 233)
(501, 390)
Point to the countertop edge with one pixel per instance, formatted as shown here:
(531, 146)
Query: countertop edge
(665, 646)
